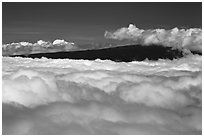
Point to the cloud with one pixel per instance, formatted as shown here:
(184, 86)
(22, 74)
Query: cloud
(98, 118)
(60, 42)
(63, 96)
(38, 47)
(187, 40)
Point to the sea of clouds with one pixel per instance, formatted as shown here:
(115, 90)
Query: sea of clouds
(64, 96)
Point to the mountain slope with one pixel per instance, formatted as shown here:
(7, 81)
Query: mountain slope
(123, 53)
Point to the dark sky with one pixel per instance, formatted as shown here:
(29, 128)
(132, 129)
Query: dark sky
(86, 22)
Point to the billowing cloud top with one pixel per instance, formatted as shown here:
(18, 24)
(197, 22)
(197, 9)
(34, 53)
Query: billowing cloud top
(61, 42)
(185, 39)
(38, 47)
(63, 96)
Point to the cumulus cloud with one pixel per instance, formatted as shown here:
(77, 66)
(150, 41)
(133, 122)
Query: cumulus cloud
(39, 47)
(63, 96)
(60, 42)
(185, 39)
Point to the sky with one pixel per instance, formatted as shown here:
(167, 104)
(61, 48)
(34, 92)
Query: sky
(85, 23)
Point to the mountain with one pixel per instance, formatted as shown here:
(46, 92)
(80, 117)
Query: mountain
(123, 53)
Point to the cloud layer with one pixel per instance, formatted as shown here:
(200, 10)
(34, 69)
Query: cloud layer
(185, 39)
(38, 47)
(62, 96)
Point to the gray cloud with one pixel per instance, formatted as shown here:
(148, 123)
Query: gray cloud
(185, 39)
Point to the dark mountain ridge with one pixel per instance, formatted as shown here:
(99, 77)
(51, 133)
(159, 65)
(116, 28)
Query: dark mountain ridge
(122, 53)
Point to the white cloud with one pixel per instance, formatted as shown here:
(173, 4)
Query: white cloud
(39, 47)
(41, 43)
(59, 42)
(63, 96)
(25, 43)
(188, 40)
